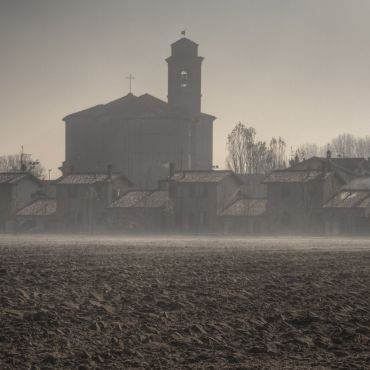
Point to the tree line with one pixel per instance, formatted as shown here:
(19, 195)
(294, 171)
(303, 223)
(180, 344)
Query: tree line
(344, 145)
(248, 155)
(21, 163)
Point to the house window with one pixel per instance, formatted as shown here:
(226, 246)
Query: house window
(202, 190)
(286, 219)
(184, 78)
(190, 219)
(72, 191)
(178, 219)
(116, 194)
(178, 192)
(99, 192)
(285, 191)
(192, 191)
(79, 218)
(203, 218)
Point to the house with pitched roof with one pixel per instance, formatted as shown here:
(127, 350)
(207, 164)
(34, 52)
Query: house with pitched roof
(141, 211)
(348, 212)
(16, 190)
(38, 216)
(200, 197)
(140, 135)
(296, 195)
(245, 216)
(82, 198)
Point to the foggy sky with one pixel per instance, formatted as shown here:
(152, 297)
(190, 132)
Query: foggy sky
(294, 68)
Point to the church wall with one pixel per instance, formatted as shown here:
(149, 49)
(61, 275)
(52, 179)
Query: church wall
(152, 145)
(142, 147)
(139, 148)
(202, 145)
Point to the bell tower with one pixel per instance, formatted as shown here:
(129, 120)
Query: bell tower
(184, 76)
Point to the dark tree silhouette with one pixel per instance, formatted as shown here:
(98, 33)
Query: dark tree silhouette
(247, 155)
(21, 163)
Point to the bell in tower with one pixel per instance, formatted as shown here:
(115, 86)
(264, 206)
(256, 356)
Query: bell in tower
(184, 76)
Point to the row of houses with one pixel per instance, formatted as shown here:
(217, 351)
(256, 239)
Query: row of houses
(315, 196)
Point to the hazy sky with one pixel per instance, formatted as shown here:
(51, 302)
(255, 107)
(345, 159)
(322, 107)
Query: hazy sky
(298, 69)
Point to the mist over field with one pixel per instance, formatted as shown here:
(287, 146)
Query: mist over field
(184, 185)
(183, 302)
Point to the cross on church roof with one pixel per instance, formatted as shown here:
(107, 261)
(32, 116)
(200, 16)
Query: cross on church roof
(130, 78)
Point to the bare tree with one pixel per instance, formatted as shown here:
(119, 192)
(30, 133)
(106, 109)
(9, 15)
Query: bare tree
(246, 154)
(21, 163)
(362, 147)
(308, 150)
(348, 145)
(277, 154)
(236, 147)
(344, 145)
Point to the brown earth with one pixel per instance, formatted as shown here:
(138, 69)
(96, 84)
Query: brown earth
(184, 303)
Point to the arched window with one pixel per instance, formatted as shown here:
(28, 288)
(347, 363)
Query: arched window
(184, 78)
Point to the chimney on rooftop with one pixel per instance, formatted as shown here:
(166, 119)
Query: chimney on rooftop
(172, 169)
(109, 169)
(328, 159)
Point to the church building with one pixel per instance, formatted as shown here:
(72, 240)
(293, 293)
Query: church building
(140, 136)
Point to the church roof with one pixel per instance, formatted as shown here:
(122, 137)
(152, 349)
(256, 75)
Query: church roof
(131, 106)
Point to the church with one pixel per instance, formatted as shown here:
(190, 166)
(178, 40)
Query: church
(139, 136)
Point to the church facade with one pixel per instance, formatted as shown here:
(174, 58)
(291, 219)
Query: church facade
(140, 136)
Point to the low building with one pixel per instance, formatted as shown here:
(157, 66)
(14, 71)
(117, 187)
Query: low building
(39, 216)
(296, 195)
(353, 166)
(83, 198)
(295, 198)
(252, 186)
(16, 191)
(141, 211)
(199, 197)
(245, 216)
(348, 212)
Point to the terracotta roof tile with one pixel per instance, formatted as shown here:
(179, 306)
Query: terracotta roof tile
(85, 179)
(40, 207)
(245, 208)
(142, 199)
(130, 199)
(283, 176)
(347, 199)
(200, 176)
(11, 177)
